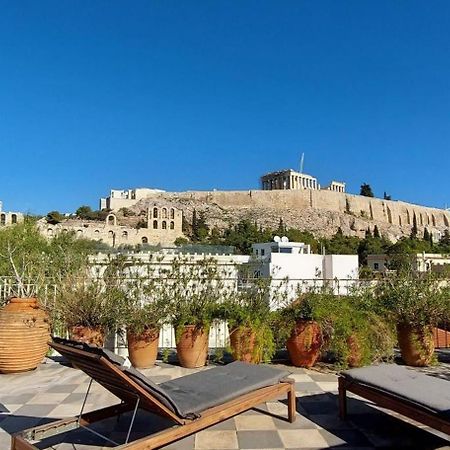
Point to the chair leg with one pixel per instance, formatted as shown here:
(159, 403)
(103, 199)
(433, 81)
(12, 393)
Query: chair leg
(292, 404)
(342, 399)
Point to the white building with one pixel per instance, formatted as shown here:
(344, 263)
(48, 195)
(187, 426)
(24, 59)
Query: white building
(294, 261)
(120, 198)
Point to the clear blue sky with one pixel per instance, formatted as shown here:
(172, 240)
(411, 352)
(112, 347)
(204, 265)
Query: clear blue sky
(185, 95)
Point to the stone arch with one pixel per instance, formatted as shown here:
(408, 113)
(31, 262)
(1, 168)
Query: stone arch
(172, 225)
(172, 213)
(111, 234)
(164, 225)
(50, 231)
(155, 213)
(445, 220)
(144, 240)
(125, 234)
(14, 218)
(3, 219)
(79, 231)
(155, 224)
(65, 230)
(111, 219)
(164, 213)
(389, 214)
(97, 232)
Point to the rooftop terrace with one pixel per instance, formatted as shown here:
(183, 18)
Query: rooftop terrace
(55, 390)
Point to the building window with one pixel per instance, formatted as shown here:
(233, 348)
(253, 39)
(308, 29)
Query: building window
(164, 225)
(125, 234)
(376, 266)
(155, 213)
(256, 252)
(3, 219)
(111, 234)
(155, 224)
(263, 252)
(172, 213)
(144, 240)
(13, 218)
(50, 231)
(172, 225)
(164, 213)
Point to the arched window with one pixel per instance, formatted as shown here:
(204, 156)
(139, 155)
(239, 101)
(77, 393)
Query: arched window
(155, 213)
(79, 231)
(3, 219)
(50, 231)
(125, 234)
(13, 218)
(172, 225)
(164, 225)
(111, 219)
(155, 224)
(97, 232)
(164, 213)
(111, 234)
(144, 240)
(172, 213)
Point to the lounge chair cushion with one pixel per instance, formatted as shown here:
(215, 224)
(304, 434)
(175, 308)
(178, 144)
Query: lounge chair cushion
(195, 393)
(428, 392)
(108, 354)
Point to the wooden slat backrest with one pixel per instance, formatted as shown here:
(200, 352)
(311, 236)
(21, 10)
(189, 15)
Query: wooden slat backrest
(114, 379)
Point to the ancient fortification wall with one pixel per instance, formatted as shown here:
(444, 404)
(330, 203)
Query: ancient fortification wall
(320, 211)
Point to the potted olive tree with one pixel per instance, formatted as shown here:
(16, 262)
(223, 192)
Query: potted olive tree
(191, 289)
(24, 321)
(416, 303)
(249, 315)
(143, 317)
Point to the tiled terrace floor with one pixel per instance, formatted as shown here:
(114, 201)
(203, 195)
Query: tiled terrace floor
(56, 391)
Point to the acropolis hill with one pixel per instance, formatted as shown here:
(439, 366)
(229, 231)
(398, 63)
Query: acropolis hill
(320, 211)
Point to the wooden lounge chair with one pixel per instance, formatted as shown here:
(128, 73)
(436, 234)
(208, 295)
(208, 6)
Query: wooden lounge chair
(193, 402)
(421, 397)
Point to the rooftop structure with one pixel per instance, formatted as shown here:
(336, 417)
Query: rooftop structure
(289, 179)
(119, 198)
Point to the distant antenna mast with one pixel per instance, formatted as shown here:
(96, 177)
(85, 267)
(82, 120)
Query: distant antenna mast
(302, 159)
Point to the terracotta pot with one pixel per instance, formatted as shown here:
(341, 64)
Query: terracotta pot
(416, 344)
(354, 358)
(24, 334)
(89, 335)
(242, 343)
(192, 346)
(143, 348)
(305, 343)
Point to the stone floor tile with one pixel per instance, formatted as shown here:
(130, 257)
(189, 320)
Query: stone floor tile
(278, 408)
(301, 422)
(254, 422)
(302, 439)
(260, 439)
(301, 378)
(62, 388)
(188, 443)
(328, 386)
(49, 398)
(330, 421)
(348, 437)
(307, 387)
(219, 439)
(323, 377)
(229, 424)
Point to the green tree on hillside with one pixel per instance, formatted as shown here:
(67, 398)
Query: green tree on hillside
(54, 217)
(366, 190)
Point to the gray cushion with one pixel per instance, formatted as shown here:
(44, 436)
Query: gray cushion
(194, 393)
(108, 354)
(430, 393)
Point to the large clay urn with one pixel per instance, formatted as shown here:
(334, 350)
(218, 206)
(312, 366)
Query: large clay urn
(305, 343)
(143, 348)
(89, 335)
(192, 346)
(242, 343)
(416, 344)
(24, 334)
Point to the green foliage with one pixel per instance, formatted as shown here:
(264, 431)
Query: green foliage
(249, 307)
(127, 212)
(54, 217)
(414, 299)
(86, 213)
(142, 223)
(179, 241)
(200, 228)
(366, 190)
(413, 234)
(340, 244)
(191, 290)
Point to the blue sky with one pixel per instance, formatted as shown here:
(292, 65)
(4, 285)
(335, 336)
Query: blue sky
(192, 95)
